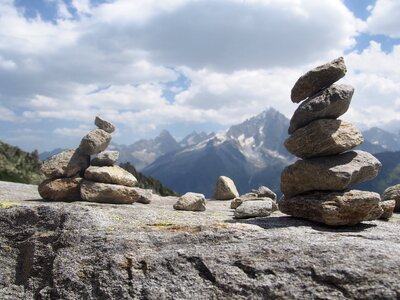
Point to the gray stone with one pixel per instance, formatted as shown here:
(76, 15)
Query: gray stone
(318, 78)
(225, 189)
(388, 208)
(334, 173)
(332, 208)
(323, 137)
(191, 202)
(114, 175)
(108, 193)
(264, 191)
(61, 189)
(104, 125)
(393, 193)
(86, 250)
(105, 158)
(65, 164)
(253, 209)
(94, 142)
(330, 103)
(145, 195)
(235, 203)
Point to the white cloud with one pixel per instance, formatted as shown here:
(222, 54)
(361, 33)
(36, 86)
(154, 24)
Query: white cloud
(6, 114)
(6, 64)
(81, 131)
(385, 18)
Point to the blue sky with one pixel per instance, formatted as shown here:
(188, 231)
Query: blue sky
(147, 65)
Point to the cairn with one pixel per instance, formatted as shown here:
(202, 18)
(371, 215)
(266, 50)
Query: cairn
(317, 187)
(72, 176)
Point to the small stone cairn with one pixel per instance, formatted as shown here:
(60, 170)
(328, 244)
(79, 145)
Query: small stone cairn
(72, 176)
(316, 187)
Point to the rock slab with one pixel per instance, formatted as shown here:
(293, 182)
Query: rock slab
(108, 193)
(65, 164)
(332, 208)
(225, 189)
(113, 175)
(191, 202)
(105, 158)
(333, 173)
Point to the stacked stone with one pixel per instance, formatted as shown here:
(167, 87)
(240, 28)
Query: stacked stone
(72, 176)
(317, 186)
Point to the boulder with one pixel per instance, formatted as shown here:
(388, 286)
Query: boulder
(333, 173)
(330, 103)
(323, 137)
(104, 125)
(108, 193)
(388, 208)
(65, 164)
(94, 142)
(105, 158)
(61, 189)
(114, 175)
(191, 202)
(263, 192)
(393, 193)
(145, 195)
(225, 189)
(318, 78)
(253, 209)
(332, 208)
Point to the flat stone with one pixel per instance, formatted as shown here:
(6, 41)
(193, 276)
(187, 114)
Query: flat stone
(235, 203)
(108, 193)
(61, 189)
(191, 202)
(330, 103)
(318, 78)
(225, 189)
(105, 158)
(145, 195)
(323, 137)
(94, 142)
(332, 208)
(332, 173)
(388, 208)
(114, 175)
(253, 209)
(65, 164)
(393, 193)
(104, 125)
(264, 191)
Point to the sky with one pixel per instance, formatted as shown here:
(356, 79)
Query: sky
(184, 65)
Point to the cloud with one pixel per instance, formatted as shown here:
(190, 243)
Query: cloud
(6, 114)
(81, 131)
(385, 18)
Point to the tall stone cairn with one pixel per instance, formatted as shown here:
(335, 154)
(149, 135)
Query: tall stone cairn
(317, 187)
(73, 176)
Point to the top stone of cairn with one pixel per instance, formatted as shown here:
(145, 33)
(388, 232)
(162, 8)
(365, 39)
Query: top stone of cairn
(103, 124)
(316, 79)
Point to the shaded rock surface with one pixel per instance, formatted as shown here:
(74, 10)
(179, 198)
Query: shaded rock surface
(388, 208)
(318, 78)
(225, 189)
(145, 195)
(108, 193)
(253, 209)
(95, 142)
(323, 137)
(393, 193)
(192, 202)
(61, 189)
(105, 158)
(333, 208)
(329, 173)
(98, 251)
(104, 125)
(65, 164)
(114, 175)
(330, 103)
(264, 191)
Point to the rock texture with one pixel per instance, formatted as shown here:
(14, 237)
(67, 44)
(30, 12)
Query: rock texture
(388, 208)
(104, 125)
(145, 195)
(315, 80)
(330, 103)
(332, 208)
(264, 191)
(225, 189)
(192, 202)
(105, 158)
(61, 189)
(393, 193)
(108, 193)
(95, 142)
(323, 137)
(87, 250)
(235, 203)
(253, 209)
(329, 173)
(65, 164)
(114, 175)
